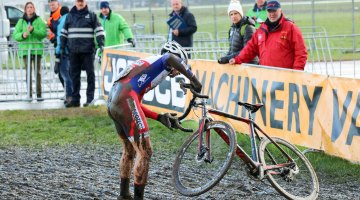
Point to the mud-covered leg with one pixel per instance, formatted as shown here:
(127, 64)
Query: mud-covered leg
(141, 168)
(125, 166)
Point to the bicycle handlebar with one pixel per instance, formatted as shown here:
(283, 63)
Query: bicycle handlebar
(184, 87)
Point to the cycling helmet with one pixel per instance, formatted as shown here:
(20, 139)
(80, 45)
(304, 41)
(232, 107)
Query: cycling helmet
(175, 48)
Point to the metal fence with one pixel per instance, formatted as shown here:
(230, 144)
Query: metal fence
(323, 57)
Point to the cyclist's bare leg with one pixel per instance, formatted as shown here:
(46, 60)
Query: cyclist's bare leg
(125, 166)
(141, 168)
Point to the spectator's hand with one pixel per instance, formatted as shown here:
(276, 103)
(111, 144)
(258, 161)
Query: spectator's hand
(30, 28)
(223, 60)
(232, 61)
(130, 40)
(196, 84)
(25, 35)
(169, 120)
(101, 49)
(176, 32)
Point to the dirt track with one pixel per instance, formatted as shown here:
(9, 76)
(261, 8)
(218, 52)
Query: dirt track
(91, 172)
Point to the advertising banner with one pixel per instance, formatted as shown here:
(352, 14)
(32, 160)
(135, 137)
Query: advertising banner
(310, 110)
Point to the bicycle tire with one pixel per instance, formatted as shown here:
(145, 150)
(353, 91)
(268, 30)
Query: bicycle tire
(304, 185)
(191, 177)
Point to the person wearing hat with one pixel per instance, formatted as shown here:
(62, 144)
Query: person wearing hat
(115, 26)
(241, 31)
(258, 12)
(63, 62)
(278, 42)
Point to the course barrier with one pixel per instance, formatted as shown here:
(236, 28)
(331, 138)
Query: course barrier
(312, 110)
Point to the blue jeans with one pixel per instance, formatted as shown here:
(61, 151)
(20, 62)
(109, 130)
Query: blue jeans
(65, 74)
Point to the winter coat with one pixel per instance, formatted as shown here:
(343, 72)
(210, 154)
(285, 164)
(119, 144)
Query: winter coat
(185, 37)
(116, 29)
(283, 47)
(80, 28)
(35, 39)
(52, 23)
(59, 27)
(239, 35)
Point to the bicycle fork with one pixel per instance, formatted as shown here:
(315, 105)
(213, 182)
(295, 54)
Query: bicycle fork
(204, 150)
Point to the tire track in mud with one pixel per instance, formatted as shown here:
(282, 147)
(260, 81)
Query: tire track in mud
(91, 172)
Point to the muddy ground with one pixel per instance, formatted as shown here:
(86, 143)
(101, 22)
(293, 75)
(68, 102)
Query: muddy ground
(91, 172)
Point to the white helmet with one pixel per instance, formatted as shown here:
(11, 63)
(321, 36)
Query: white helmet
(175, 48)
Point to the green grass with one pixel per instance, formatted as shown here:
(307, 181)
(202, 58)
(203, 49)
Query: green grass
(92, 126)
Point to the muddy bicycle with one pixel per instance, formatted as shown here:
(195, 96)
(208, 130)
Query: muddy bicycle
(205, 156)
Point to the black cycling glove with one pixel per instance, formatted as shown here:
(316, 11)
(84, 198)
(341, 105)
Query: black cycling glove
(169, 120)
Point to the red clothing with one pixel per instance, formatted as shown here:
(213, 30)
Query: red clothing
(283, 47)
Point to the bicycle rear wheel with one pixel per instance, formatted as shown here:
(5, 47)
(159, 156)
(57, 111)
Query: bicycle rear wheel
(297, 181)
(193, 176)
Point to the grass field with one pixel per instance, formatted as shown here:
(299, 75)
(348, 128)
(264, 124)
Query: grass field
(333, 19)
(92, 126)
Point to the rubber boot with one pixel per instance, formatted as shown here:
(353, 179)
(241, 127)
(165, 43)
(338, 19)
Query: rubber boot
(139, 192)
(124, 189)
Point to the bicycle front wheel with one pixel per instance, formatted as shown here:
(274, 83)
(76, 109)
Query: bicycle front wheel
(194, 175)
(296, 180)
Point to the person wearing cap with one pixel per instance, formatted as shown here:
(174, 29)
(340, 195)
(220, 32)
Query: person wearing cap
(62, 62)
(240, 32)
(115, 26)
(80, 30)
(278, 42)
(258, 12)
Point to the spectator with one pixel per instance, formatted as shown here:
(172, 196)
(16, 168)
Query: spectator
(30, 32)
(115, 26)
(184, 35)
(240, 32)
(63, 61)
(258, 12)
(80, 28)
(128, 114)
(278, 42)
(52, 23)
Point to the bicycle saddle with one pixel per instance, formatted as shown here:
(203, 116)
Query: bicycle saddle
(251, 107)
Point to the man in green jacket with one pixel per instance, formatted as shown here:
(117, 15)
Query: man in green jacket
(30, 32)
(258, 12)
(115, 26)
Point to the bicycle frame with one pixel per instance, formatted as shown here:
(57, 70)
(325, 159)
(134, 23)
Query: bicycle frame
(252, 162)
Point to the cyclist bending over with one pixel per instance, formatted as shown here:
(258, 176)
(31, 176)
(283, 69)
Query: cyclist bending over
(127, 112)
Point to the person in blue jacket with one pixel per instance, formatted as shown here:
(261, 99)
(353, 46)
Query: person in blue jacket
(62, 62)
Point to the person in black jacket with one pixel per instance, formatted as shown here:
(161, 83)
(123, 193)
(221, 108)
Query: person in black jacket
(184, 34)
(80, 28)
(241, 31)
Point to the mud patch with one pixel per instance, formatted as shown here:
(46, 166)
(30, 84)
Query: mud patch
(91, 172)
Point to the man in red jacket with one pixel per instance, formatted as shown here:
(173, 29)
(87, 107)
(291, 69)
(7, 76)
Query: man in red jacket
(278, 42)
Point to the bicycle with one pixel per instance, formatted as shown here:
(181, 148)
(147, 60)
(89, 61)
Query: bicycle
(205, 156)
